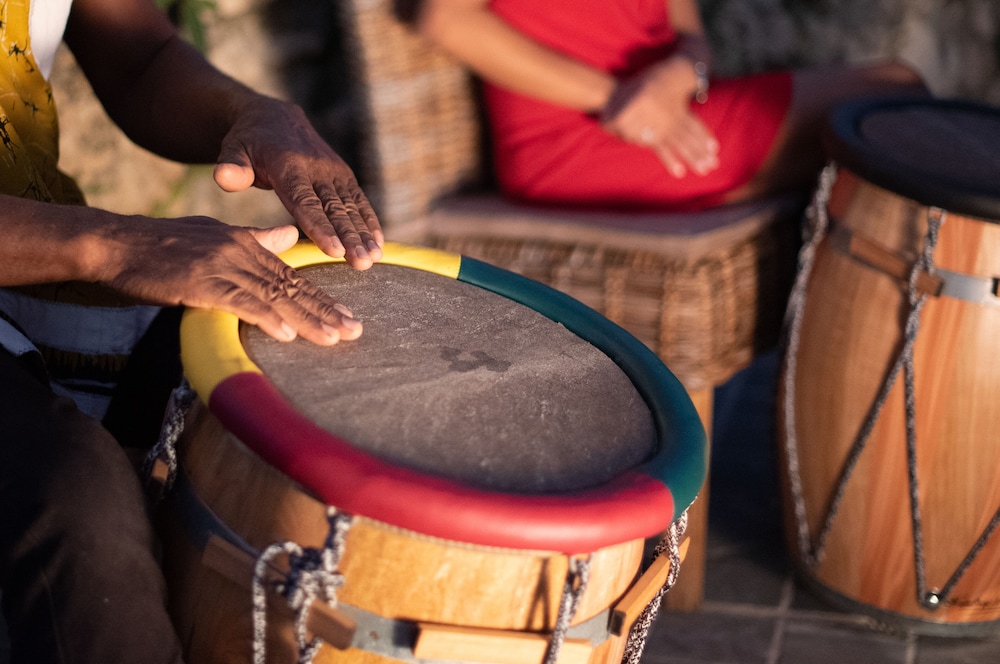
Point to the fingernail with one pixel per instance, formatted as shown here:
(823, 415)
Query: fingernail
(343, 310)
(350, 323)
(287, 332)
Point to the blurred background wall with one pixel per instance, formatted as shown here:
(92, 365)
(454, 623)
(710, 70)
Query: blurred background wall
(292, 49)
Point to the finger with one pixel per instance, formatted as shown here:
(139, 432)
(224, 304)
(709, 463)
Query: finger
(304, 203)
(342, 226)
(694, 154)
(287, 305)
(670, 160)
(309, 311)
(276, 239)
(342, 211)
(701, 145)
(365, 223)
(368, 216)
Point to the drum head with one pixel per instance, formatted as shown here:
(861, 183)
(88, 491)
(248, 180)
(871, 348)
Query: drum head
(452, 380)
(942, 153)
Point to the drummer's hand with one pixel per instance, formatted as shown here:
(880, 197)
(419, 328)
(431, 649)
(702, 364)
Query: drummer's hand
(274, 146)
(201, 262)
(653, 109)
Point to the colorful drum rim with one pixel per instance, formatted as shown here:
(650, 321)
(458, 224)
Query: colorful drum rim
(637, 504)
(847, 146)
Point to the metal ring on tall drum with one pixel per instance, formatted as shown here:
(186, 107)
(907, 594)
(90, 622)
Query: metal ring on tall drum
(403, 482)
(891, 386)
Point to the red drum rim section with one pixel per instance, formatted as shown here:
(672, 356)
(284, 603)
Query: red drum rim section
(637, 504)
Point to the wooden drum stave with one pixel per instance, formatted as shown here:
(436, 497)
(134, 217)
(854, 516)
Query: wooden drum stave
(430, 557)
(904, 254)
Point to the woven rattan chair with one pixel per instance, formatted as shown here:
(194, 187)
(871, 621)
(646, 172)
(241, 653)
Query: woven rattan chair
(705, 290)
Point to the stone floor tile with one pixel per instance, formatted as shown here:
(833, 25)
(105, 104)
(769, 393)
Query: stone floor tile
(709, 638)
(941, 650)
(753, 575)
(820, 642)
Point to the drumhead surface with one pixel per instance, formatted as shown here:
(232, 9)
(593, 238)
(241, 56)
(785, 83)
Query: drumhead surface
(452, 380)
(943, 153)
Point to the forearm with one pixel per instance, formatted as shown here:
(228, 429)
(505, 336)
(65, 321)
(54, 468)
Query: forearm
(46, 242)
(685, 18)
(506, 57)
(155, 86)
(181, 108)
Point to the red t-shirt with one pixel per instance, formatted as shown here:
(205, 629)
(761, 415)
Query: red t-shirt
(550, 154)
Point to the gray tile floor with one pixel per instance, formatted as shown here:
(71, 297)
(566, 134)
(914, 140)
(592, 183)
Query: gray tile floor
(754, 612)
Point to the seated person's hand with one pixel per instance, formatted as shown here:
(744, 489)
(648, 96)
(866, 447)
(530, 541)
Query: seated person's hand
(273, 146)
(653, 109)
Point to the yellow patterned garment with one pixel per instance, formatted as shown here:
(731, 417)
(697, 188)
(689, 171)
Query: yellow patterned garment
(29, 130)
(82, 331)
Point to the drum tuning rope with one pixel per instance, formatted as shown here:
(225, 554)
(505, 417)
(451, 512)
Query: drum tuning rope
(813, 233)
(313, 572)
(577, 575)
(670, 546)
(812, 553)
(165, 449)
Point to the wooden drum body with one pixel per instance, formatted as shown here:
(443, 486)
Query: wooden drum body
(912, 195)
(465, 478)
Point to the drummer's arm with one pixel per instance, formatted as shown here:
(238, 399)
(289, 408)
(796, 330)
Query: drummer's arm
(501, 54)
(170, 100)
(194, 261)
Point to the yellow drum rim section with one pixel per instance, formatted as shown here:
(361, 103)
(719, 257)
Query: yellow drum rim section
(211, 350)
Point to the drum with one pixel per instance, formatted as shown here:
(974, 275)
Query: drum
(891, 383)
(474, 479)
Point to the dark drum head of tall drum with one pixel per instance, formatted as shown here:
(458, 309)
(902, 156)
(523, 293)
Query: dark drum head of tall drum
(452, 380)
(938, 152)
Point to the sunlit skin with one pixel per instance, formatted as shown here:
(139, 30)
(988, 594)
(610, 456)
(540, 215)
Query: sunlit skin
(168, 99)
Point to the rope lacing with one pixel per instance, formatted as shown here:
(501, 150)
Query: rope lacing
(814, 231)
(165, 448)
(669, 545)
(312, 573)
(577, 575)
(812, 553)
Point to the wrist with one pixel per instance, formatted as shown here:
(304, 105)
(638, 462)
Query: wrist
(606, 92)
(696, 50)
(701, 82)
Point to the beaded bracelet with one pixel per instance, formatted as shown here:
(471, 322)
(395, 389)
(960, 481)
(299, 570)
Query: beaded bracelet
(701, 88)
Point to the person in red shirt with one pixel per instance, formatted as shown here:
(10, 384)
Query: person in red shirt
(607, 103)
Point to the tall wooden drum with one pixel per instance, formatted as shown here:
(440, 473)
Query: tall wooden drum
(890, 397)
(474, 479)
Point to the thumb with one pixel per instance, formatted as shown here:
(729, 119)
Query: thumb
(233, 171)
(276, 239)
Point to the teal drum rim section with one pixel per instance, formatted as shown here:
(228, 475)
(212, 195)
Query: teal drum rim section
(680, 462)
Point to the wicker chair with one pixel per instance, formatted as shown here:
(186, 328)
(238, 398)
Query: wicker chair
(705, 290)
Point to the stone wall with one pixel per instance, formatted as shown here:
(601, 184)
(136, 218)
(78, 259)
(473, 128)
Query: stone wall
(291, 49)
(955, 44)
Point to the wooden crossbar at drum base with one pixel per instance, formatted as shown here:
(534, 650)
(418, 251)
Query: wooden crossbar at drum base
(447, 642)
